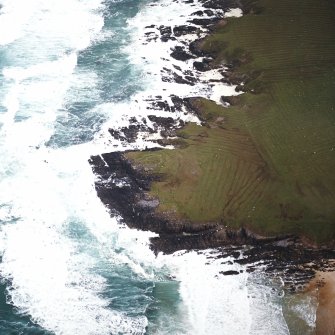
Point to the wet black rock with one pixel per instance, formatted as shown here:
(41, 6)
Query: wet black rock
(229, 272)
(166, 33)
(170, 76)
(179, 53)
(184, 30)
(129, 134)
(195, 49)
(158, 104)
(151, 36)
(202, 66)
(198, 13)
(222, 4)
(117, 134)
(207, 12)
(205, 22)
(166, 122)
(177, 102)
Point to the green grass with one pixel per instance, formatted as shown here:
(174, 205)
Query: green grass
(270, 164)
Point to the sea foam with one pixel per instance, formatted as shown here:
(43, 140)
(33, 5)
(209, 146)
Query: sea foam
(46, 193)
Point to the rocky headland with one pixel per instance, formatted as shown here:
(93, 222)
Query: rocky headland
(132, 185)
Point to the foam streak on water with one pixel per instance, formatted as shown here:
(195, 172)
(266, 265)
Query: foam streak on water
(49, 267)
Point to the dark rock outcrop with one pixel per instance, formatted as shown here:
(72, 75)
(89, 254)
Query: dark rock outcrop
(179, 53)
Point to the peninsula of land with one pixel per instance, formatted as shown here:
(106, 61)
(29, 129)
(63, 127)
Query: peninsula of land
(260, 169)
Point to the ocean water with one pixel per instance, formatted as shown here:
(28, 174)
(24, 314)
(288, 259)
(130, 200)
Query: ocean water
(69, 70)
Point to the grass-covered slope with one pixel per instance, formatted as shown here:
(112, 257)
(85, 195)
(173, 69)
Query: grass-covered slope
(268, 161)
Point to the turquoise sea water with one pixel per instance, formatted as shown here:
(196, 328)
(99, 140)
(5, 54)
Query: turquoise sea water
(69, 69)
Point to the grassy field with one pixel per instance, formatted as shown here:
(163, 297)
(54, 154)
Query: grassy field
(268, 161)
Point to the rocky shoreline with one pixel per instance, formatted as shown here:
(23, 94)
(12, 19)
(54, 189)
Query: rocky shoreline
(123, 185)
